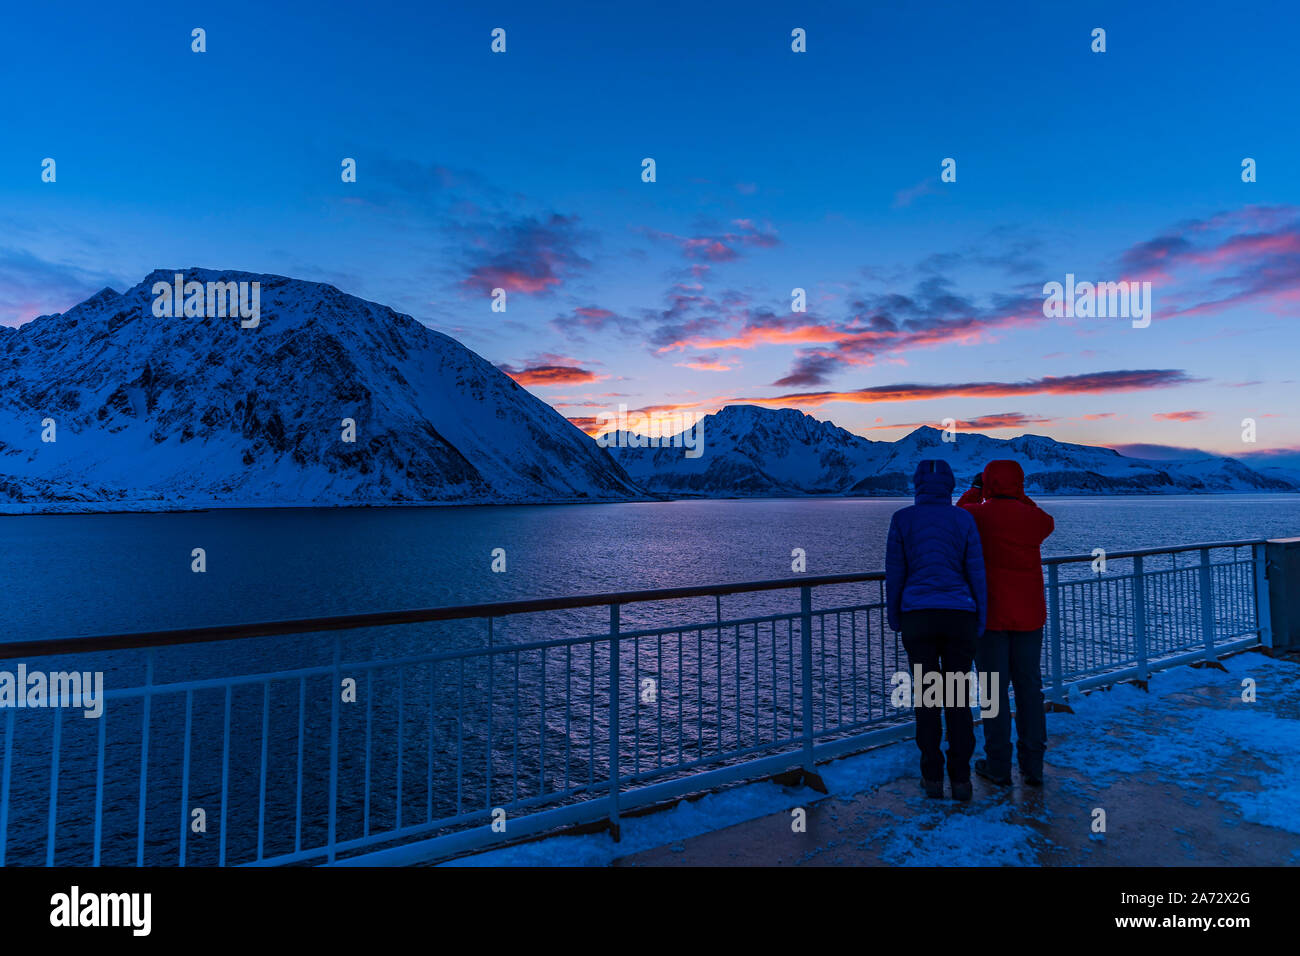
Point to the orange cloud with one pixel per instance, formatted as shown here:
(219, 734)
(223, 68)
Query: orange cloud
(704, 366)
(551, 375)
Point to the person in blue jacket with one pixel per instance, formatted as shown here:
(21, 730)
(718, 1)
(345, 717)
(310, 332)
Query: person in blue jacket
(935, 591)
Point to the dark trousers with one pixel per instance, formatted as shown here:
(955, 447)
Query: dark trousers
(943, 642)
(1015, 657)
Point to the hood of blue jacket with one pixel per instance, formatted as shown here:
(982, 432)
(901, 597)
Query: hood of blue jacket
(933, 481)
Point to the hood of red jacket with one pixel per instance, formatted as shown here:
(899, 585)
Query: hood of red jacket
(1004, 479)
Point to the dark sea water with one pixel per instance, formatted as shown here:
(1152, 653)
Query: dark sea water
(76, 575)
(436, 740)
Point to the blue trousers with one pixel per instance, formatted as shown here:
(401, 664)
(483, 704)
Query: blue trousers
(1015, 657)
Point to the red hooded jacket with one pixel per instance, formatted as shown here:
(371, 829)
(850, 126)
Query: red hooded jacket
(1011, 529)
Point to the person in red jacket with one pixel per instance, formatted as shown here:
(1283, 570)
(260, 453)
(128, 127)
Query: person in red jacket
(1012, 528)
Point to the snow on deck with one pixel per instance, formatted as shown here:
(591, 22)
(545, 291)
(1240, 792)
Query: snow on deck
(1187, 773)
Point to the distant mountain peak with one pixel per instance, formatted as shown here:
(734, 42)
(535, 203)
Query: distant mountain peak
(105, 298)
(757, 413)
(106, 294)
(924, 436)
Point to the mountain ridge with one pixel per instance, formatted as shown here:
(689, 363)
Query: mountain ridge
(885, 468)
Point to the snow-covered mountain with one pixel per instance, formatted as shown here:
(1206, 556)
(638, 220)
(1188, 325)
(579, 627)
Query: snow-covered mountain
(182, 412)
(1282, 473)
(754, 451)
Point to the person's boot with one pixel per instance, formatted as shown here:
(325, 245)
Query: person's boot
(982, 768)
(1032, 778)
(933, 788)
(962, 791)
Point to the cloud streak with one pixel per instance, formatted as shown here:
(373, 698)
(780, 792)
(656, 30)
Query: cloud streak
(1188, 416)
(720, 246)
(889, 323)
(592, 319)
(980, 423)
(1245, 256)
(551, 375)
(1119, 380)
(529, 255)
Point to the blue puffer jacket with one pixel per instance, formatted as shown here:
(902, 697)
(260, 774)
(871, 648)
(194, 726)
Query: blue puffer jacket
(933, 558)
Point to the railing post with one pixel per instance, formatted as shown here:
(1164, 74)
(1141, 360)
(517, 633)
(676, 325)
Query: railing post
(1057, 694)
(613, 721)
(53, 822)
(805, 646)
(144, 755)
(491, 708)
(1207, 606)
(1263, 613)
(334, 746)
(1140, 617)
(4, 781)
(1282, 581)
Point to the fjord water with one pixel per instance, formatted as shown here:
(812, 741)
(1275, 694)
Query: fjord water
(435, 740)
(72, 575)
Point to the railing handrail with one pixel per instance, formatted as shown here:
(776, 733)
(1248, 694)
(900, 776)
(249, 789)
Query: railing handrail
(229, 632)
(1146, 552)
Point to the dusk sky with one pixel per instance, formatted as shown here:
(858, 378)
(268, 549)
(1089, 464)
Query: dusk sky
(775, 170)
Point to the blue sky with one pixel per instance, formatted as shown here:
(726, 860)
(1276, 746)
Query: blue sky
(775, 170)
